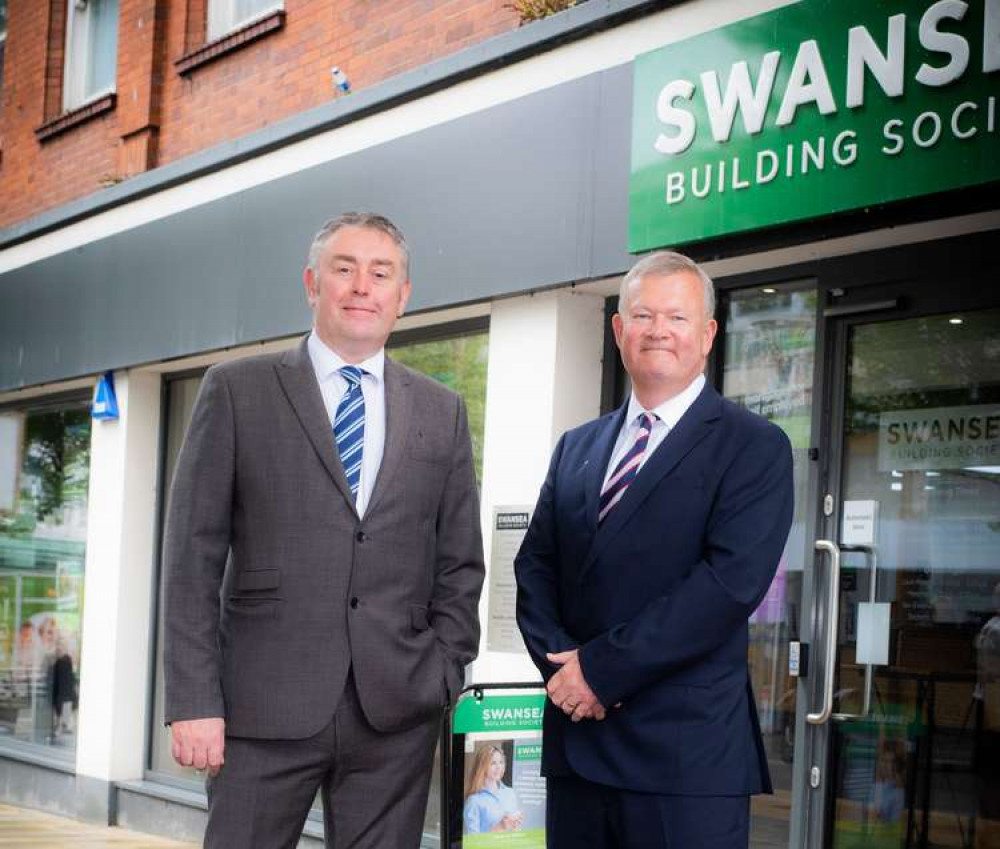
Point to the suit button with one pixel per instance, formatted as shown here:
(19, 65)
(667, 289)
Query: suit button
(360, 536)
(354, 603)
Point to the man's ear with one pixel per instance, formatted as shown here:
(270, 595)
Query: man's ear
(404, 297)
(310, 283)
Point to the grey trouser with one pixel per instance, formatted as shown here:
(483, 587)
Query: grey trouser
(373, 785)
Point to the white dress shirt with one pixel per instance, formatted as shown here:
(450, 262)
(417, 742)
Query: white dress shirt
(332, 384)
(665, 418)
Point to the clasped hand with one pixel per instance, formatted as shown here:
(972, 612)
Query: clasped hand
(570, 691)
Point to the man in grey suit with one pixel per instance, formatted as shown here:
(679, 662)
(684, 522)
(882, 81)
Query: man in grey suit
(323, 565)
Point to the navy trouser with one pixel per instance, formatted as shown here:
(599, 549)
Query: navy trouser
(581, 813)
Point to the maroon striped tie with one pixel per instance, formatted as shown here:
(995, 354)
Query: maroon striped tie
(626, 470)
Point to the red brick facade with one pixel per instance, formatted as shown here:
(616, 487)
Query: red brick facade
(164, 111)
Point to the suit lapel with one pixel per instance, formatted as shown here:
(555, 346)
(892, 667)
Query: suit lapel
(298, 380)
(693, 427)
(398, 407)
(597, 463)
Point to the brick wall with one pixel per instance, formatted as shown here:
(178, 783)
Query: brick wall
(161, 115)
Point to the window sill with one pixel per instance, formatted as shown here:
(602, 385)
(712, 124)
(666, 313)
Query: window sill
(39, 755)
(230, 42)
(75, 117)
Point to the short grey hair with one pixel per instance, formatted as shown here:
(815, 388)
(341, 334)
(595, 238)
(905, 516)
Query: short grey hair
(369, 220)
(663, 264)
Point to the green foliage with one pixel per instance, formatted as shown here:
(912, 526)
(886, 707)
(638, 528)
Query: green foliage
(54, 469)
(460, 364)
(57, 457)
(535, 10)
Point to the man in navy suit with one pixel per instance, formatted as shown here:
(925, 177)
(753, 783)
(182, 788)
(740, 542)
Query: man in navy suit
(657, 532)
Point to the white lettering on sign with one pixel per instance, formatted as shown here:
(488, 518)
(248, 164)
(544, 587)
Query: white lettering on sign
(940, 438)
(809, 83)
(735, 173)
(886, 68)
(751, 100)
(951, 44)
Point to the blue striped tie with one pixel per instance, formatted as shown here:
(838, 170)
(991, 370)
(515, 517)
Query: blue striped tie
(626, 470)
(349, 427)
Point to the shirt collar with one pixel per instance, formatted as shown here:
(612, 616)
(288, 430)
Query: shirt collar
(671, 410)
(328, 362)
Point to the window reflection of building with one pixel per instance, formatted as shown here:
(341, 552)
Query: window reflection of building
(769, 357)
(44, 474)
(939, 562)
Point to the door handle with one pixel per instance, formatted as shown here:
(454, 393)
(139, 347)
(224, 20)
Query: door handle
(832, 617)
(866, 707)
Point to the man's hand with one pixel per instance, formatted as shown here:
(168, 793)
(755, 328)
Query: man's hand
(199, 743)
(569, 690)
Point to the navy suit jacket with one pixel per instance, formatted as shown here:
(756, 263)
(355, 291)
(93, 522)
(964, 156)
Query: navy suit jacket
(657, 599)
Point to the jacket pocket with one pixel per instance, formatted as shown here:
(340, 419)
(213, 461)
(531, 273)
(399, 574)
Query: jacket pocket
(243, 606)
(254, 580)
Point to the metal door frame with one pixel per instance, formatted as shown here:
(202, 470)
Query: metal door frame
(914, 283)
(883, 285)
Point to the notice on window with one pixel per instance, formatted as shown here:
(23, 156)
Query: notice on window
(939, 438)
(509, 527)
(859, 524)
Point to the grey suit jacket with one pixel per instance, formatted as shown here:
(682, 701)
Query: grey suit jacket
(273, 586)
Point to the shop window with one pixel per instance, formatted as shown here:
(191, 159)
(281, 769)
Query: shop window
(224, 16)
(44, 473)
(91, 51)
(454, 356)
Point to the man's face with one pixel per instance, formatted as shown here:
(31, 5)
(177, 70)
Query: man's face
(357, 291)
(663, 334)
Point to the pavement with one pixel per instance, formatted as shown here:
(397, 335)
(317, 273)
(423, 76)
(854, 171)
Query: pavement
(24, 828)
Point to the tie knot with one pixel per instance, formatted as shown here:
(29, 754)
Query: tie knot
(646, 421)
(352, 374)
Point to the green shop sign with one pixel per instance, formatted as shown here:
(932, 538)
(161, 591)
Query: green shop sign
(817, 107)
(499, 713)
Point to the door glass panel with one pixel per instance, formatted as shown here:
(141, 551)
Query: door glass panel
(921, 486)
(769, 354)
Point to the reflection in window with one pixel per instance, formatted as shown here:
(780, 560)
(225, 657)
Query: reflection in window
(44, 473)
(91, 51)
(769, 356)
(460, 364)
(3, 43)
(224, 16)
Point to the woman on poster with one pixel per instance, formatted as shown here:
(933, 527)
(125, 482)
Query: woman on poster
(490, 805)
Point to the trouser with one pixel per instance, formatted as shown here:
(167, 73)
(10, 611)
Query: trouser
(373, 785)
(582, 813)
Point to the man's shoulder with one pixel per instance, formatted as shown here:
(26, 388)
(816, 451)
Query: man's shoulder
(250, 366)
(424, 385)
(751, 439)
(587, 432)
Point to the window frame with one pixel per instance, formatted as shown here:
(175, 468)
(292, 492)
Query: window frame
(79, 46)
(24, 751)
(221, 18)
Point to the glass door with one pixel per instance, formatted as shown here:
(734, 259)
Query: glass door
(769, 347)
(912, 727)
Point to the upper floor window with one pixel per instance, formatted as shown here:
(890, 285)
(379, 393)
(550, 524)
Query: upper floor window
(91, 51)
(3, 42)
(224, 16)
